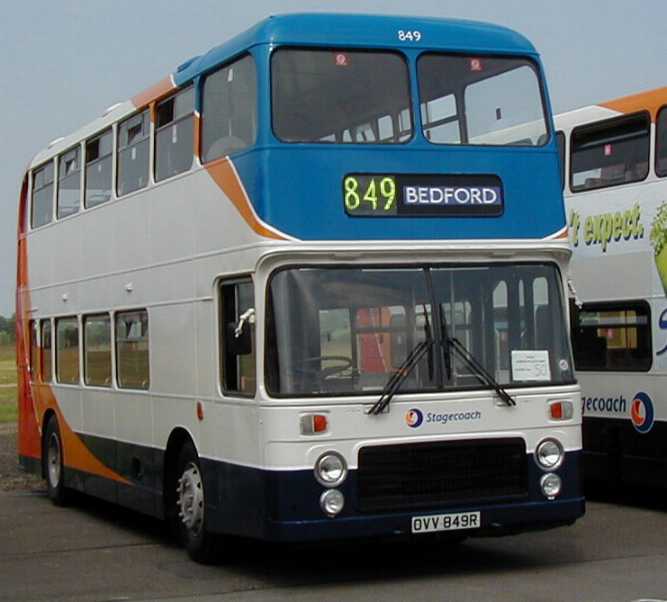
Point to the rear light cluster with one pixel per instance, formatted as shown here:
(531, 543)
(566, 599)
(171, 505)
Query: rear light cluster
(561, 410)
(314, 424)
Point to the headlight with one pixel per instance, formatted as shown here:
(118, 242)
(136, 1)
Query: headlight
(551, 485)
(332, 502)
(549, 454)
(330, 469)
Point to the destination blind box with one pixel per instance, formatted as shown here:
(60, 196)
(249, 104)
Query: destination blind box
(386, 195)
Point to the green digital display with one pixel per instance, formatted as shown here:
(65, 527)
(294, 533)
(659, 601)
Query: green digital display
(370, 195)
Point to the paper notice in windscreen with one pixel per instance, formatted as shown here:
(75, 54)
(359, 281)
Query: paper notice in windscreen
(530, 365)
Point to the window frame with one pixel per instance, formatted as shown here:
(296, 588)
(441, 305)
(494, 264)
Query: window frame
(116, 349)
(59, 157)
(84, 319)
(202, 114)
(379, 50)
(85, 164)
(222, 384)
(157, 129)
(43, 166)
(561, 146)
(42, 323)
(636, 305)
(117, 149)
(656, 147)
(600, 125)
(55, 339)
(547, 114)
(33, 330)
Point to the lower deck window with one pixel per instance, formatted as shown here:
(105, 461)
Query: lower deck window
(97, 350)
(67, 351)
(612, 337)
(132, 359)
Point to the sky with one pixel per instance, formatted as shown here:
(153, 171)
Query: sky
(63, 63)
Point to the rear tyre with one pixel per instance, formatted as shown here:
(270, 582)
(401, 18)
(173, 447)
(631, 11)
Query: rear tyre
(53, 463)
(191, 506)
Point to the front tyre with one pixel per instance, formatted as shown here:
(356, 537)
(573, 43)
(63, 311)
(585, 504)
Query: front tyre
(53, 463)
(191, 507)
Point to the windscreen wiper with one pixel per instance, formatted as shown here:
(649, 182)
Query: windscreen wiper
(404, 370)
(479, 370)
(445, 348)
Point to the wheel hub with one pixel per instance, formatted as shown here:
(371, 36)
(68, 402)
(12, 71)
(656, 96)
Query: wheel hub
(190, 492)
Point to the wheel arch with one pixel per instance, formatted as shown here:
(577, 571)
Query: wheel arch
(178, 437)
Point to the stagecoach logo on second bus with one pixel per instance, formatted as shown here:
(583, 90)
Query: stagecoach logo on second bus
(414, 418)
(642, 413)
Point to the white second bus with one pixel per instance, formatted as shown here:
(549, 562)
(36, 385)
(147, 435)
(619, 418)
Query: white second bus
(615, 164)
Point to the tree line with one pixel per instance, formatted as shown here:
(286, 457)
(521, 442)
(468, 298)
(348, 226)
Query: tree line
(7, 330)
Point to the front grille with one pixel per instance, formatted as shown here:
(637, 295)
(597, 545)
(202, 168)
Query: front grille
(415, 475)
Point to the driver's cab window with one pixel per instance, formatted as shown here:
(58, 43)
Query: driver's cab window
(237, 319)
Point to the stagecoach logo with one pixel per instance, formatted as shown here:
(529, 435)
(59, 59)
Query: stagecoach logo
(414, 418)
(641, 413)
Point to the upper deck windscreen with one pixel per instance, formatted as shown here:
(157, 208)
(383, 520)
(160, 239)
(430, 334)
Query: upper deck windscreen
(340, 96)
(481, 101)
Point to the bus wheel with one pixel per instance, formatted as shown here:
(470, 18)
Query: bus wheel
(53, 458)
(190, 506)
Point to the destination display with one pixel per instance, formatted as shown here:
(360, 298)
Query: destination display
(385, 195)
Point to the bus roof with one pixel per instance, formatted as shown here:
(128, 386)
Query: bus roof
(369, 31)
(647, 100)
(316, 29)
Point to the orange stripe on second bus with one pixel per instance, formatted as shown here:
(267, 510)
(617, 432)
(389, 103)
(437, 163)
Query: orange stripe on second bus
(155, 92)
(651, 101)
(223, 173)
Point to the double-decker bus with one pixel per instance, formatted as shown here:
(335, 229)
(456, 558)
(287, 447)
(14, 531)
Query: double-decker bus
(309, 286)
(615, 162)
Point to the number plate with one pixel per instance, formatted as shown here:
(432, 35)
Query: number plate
(446, 522)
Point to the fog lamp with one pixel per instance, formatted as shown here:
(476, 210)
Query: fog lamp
(551, 485)
(332, 502)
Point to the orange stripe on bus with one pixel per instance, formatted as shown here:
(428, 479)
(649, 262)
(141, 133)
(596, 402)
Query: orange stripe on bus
(155, 92)
(36, 399)
(75, 453)
(651, 100)
(225, 177)
(29, 436)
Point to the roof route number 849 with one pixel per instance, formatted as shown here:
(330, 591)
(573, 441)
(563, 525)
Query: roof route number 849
(409, 36)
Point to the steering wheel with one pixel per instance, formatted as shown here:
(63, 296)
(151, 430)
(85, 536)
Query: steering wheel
(329, 371)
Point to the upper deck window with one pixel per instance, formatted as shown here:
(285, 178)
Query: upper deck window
(340, 96)
(174, 134)
(133, 147)
(98, 169)
(69, 183)
(42, 195)
(611, 152)
(661, 143)
(229, 113)
(481, 100)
